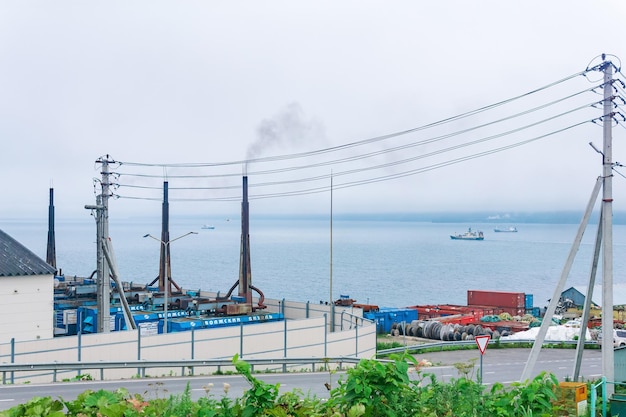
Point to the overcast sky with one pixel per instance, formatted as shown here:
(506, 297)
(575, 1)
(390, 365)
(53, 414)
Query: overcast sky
(163, 82)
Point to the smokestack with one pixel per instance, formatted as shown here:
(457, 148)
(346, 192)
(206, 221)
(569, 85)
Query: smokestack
(164, 274)
(245, 273)
(51, 257)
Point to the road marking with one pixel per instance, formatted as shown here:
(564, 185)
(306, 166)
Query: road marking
(8, 399)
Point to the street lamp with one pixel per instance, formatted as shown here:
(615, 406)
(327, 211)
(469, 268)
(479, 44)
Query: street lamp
(167, 278)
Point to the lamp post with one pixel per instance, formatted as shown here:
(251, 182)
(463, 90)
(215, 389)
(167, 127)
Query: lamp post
(166, 272)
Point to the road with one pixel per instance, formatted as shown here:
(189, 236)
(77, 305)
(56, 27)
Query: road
(499, 365)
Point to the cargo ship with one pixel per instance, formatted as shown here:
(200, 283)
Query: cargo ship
(505, 229)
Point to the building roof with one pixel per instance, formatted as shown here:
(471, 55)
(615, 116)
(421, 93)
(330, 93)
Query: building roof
(619, 292)
(17, 260)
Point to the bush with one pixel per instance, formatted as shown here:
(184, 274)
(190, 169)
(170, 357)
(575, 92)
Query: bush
(370, 389)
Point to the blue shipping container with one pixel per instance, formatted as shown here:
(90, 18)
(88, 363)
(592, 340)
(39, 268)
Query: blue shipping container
(386, 317)
(529, 301)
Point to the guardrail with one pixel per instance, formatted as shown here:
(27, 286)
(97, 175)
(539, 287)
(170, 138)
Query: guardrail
(142, 365)
(191, 364)
(442, 345)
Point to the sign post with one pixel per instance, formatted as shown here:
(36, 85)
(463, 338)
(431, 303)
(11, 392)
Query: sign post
(482, 341)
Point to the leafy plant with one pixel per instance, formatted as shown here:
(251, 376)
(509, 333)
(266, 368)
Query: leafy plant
(36, 407)
(398, 387)
(99, 403)
(380, 389)
(261, 397)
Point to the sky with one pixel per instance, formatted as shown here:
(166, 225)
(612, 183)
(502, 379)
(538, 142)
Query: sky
(151, 84)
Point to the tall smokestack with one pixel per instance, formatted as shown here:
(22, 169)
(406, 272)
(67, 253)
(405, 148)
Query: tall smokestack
(51, 257)
(164, 267)
(245, 273)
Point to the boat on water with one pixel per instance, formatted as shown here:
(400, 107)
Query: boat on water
(505, 229)
(208, 226)
(469, 235)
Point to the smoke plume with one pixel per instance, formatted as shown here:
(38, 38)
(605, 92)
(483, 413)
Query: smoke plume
(288, 130)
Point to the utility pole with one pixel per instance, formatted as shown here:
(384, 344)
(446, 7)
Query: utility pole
(608, 357)
(604, 238)
(102, 235)
(331, 304)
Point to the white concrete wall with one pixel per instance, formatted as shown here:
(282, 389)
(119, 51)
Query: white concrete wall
(291, 339)
(294, 338)
(26, 307)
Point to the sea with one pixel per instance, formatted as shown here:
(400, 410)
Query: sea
(384, 262)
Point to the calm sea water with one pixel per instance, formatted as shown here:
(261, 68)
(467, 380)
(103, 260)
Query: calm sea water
(387, 263)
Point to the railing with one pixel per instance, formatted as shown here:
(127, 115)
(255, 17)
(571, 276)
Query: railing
(442, 345)
(142, 365)
(356, 319)
(594, 396)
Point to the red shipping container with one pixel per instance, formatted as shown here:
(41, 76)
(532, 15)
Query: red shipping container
(496, 298)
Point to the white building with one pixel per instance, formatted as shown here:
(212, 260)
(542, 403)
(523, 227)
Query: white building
(26, 293)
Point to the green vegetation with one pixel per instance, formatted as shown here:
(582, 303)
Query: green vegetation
(370, 389)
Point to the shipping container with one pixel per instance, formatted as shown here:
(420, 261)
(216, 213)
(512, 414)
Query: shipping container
(138, 317)
(529, 301)
(386, 317)
(496, 298)
(535, 311)
(183, 324)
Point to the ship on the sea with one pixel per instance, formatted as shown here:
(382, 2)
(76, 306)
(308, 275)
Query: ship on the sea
(469, 235)
(505, 229)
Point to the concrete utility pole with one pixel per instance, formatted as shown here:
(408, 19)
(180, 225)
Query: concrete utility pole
(102, 231)
(604, 238)
(608, 357)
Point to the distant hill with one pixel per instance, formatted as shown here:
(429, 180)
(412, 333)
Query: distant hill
(557, 217)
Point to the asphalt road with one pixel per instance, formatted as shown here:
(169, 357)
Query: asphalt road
(499, 365)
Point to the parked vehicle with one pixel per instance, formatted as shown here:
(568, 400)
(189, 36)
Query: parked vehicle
(619, 338)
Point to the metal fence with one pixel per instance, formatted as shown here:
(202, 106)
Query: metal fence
(188, 367)
(287, 339)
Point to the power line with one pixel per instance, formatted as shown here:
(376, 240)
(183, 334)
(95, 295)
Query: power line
(362, 142)
(354, 174)
(384, 151)
(325, 188)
